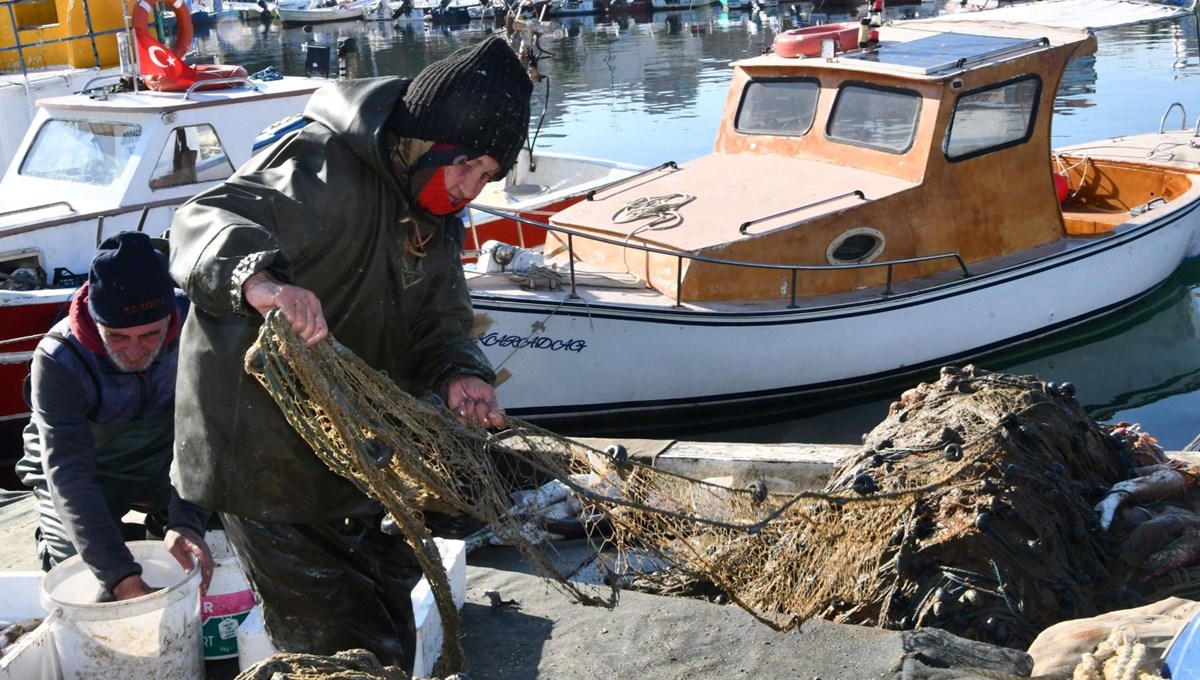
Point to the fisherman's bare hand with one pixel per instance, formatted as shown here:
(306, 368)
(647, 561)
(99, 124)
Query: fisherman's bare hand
(298, 305)
(475, 401)
(130, 587)
(185, 544)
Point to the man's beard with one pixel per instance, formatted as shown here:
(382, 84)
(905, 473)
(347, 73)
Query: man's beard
(128, 367)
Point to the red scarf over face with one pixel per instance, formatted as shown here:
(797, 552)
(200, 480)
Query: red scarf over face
(435, 198)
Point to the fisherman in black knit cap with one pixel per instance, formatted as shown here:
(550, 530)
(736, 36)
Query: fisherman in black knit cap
(347, 227)
(99, 442)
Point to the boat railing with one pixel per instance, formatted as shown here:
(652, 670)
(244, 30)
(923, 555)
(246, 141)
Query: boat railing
(219, 82)
(794, 269)
(591, 195)
(91, 82)
(746, 225)
(32, 208)
(1162, 123)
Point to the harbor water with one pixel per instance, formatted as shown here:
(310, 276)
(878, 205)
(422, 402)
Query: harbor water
(650, 88)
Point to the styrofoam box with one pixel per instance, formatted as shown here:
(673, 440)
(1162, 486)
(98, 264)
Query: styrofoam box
(425, 611)
(34, 657)
(254, 644)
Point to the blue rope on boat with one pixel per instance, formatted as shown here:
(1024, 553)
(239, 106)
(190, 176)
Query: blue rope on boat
(268, 73)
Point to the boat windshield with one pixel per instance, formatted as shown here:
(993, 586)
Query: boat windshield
(778, 107)
(85, 151)
(192, 154)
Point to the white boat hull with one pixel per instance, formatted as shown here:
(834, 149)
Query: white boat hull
(320, 15)
(616, 354)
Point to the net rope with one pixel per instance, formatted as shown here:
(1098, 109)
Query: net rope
(983, 527)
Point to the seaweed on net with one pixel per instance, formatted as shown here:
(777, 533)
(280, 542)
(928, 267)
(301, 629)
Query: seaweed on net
(984, 529)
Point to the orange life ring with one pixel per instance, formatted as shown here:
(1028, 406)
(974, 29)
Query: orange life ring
(143, 10)
(807, 41)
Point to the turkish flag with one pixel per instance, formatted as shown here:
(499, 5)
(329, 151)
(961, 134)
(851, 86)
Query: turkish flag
(159, 66)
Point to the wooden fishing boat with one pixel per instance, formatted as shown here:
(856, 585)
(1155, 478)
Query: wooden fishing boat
(860, 218)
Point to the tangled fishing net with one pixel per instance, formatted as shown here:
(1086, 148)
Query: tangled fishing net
(969, 508)
(351, 664)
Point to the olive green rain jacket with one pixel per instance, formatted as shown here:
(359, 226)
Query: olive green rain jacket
(321, 209)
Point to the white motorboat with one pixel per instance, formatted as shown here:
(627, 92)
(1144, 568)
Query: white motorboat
(208, 12)
(400, 12)
(538, 186)
(319, 11)
(99, 162)
(863, 216)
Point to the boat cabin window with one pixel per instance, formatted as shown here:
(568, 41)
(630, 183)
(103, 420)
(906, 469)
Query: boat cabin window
(995, 117)
(881, 118)
(86, 151)
(192, 154)
(777, 107)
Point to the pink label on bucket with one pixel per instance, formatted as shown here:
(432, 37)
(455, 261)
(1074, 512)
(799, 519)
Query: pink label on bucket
(226, 604)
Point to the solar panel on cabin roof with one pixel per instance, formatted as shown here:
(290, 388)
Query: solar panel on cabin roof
(943, 51)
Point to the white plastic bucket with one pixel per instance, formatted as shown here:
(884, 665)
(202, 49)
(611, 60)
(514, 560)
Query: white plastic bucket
(228, 600)
(154, 636)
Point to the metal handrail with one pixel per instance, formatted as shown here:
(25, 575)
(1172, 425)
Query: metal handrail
(36, 207)
(1162, 124)
(107, 76)
(746, 225)
(220, 81)
(591, 195)
(680, 257)
(1002, 52)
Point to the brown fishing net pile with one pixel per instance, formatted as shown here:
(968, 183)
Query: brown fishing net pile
(969, 509)
(351, 664)
(1006, 541)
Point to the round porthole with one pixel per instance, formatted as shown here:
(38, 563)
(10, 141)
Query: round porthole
(855, 246)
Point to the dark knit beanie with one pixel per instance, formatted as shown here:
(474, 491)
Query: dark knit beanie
(476, 98)
(128, 284)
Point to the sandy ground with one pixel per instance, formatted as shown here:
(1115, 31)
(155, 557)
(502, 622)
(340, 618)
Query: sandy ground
(17, 522)
(647, 636)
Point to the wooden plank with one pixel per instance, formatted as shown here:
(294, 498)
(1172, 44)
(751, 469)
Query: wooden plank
(785, 468)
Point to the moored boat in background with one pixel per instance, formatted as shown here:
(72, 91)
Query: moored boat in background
(319, 11)
(538, 186)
